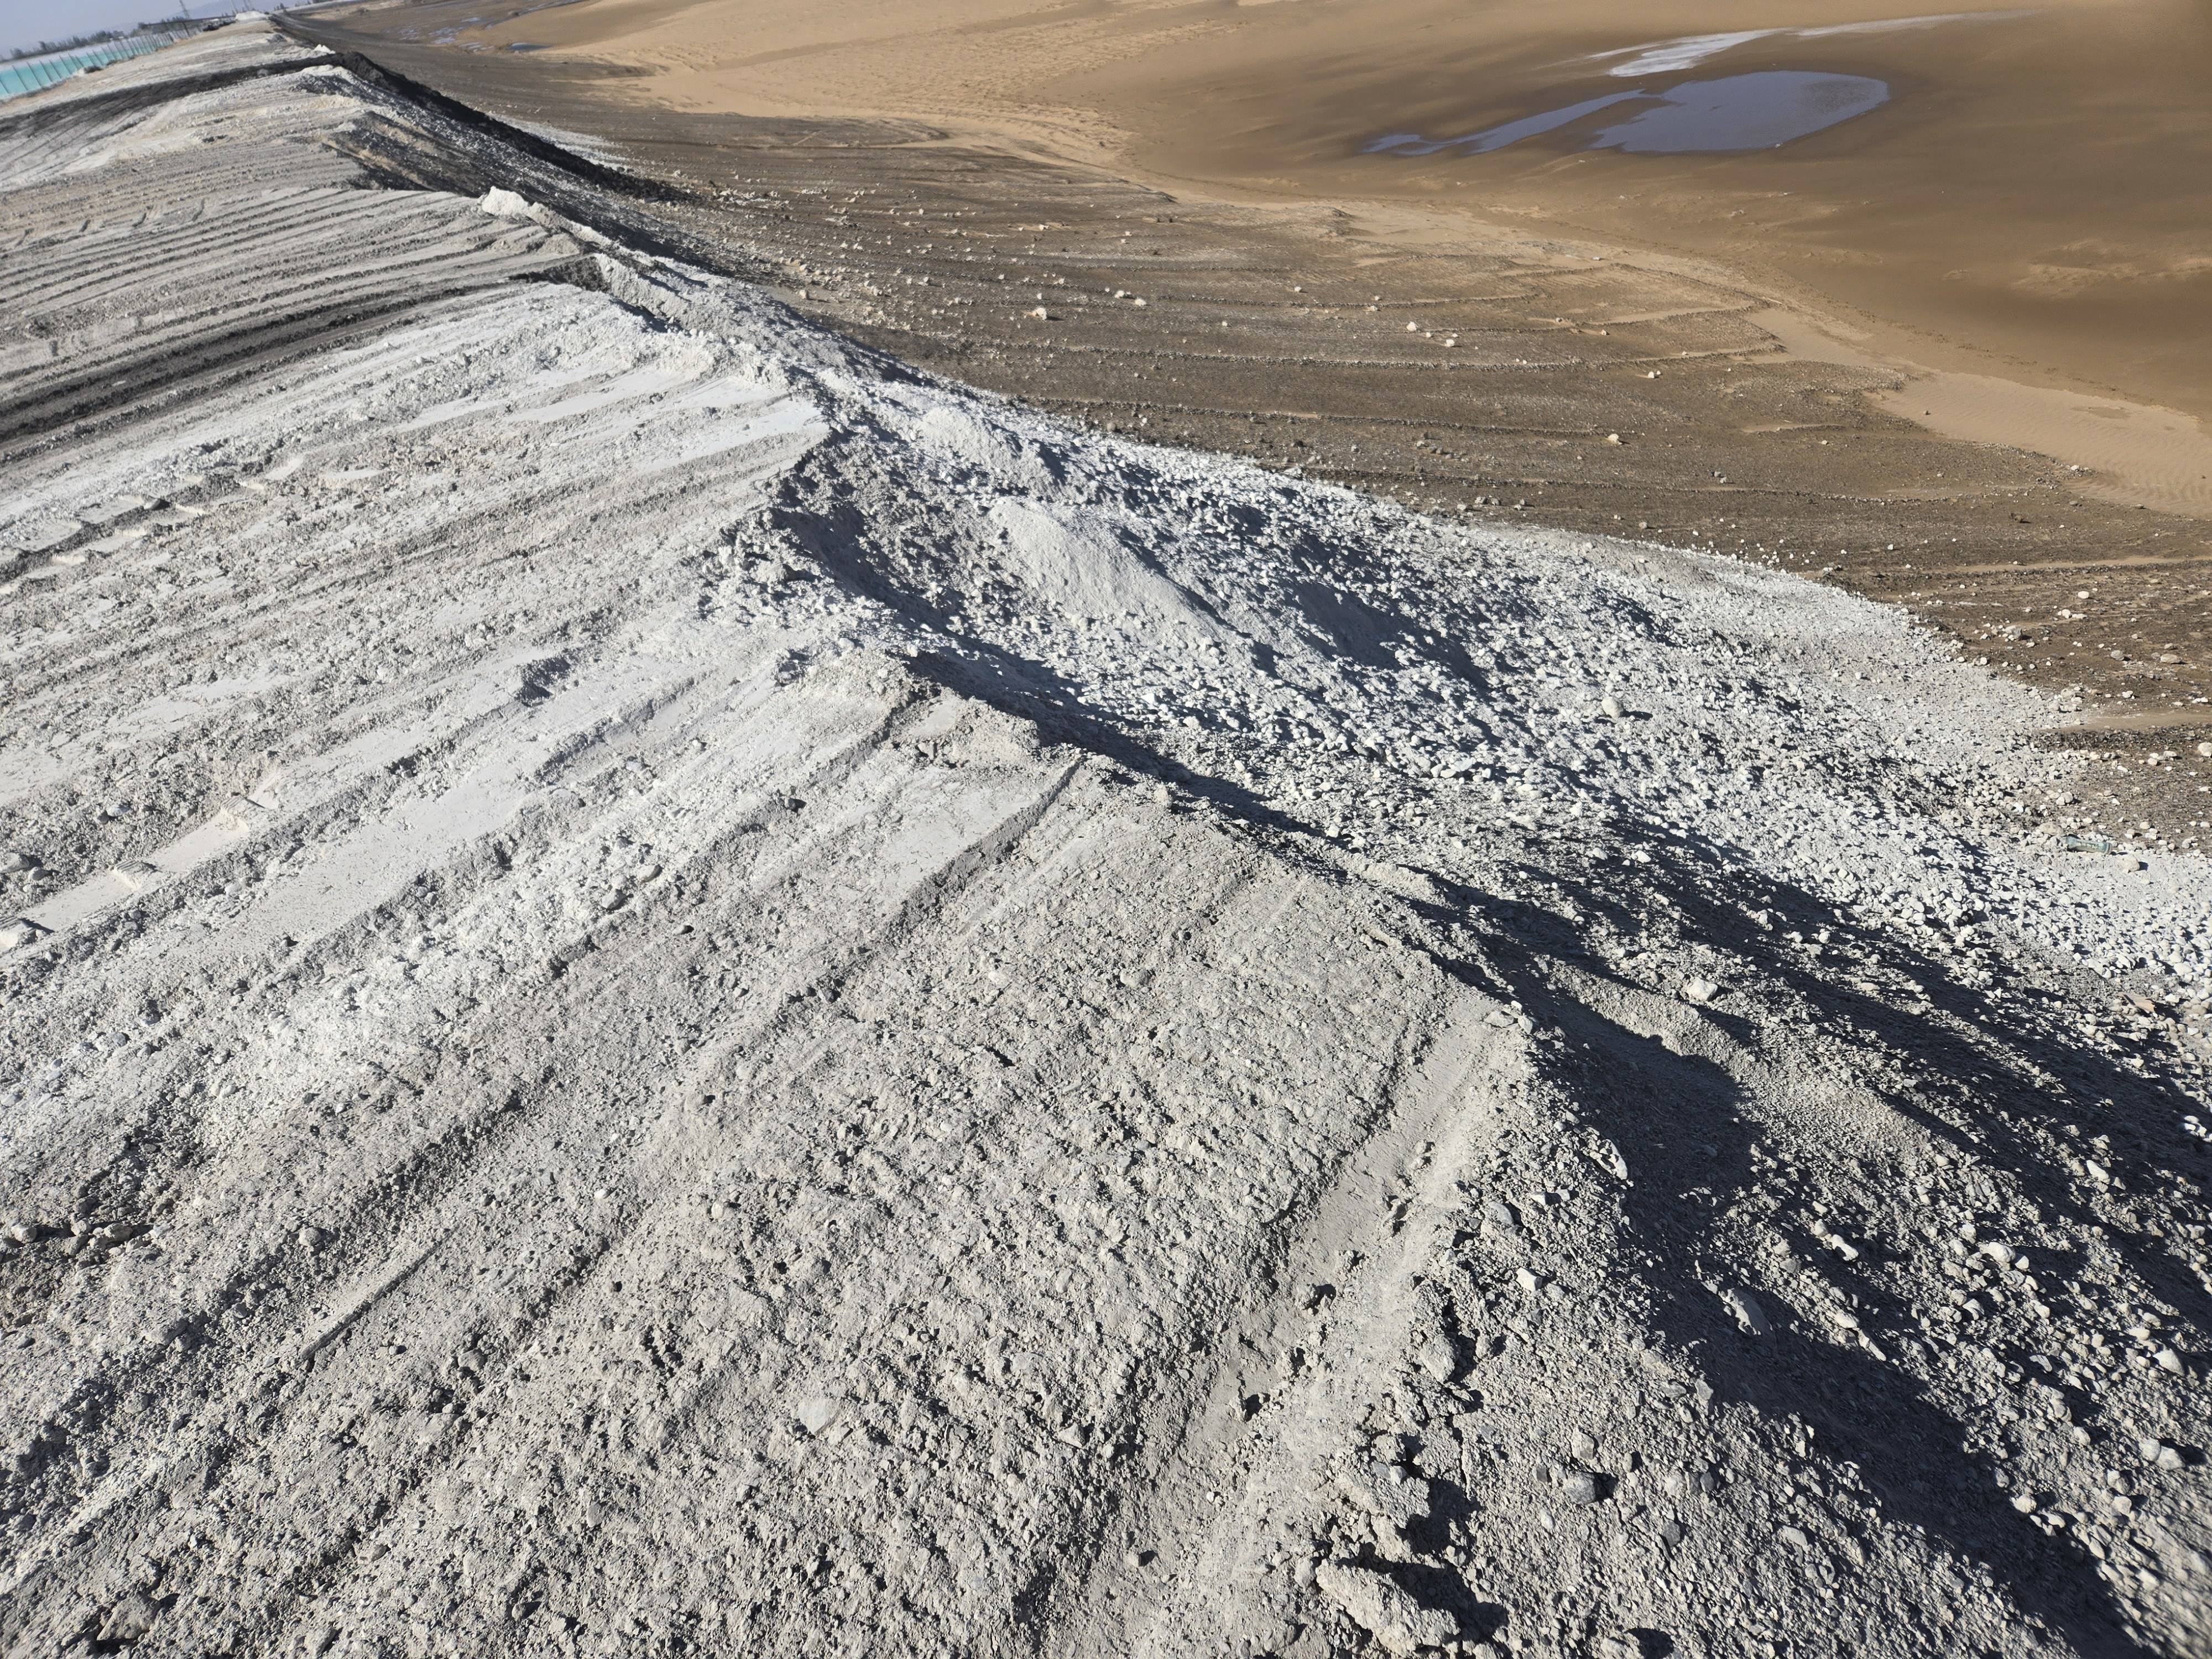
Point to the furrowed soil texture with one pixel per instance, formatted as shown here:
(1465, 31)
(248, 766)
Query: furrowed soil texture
(676, 988)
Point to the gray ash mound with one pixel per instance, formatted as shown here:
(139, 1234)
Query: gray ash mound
(672, 989)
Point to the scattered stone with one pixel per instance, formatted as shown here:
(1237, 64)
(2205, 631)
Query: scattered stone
(1394, 1496)
(503, 204)
(130, 1620)
(1609, 1158)
(1699, 990)
(1581, 1486)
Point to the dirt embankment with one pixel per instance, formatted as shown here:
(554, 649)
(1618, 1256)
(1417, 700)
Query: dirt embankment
(1464, 363)
(675, 988)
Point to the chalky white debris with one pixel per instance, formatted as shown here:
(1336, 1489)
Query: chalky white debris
(674, 988)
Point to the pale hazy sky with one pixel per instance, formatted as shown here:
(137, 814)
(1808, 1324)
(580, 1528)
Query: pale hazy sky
(26, 23)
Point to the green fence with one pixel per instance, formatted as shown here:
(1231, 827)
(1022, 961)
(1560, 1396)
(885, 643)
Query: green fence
(25, 74)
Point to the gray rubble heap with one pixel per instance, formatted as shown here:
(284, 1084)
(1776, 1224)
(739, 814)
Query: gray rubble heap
(669, 989)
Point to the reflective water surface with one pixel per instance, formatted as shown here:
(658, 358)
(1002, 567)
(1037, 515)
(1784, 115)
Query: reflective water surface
(1758, 111)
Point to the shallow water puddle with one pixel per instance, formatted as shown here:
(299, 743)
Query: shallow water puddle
(1758, 111)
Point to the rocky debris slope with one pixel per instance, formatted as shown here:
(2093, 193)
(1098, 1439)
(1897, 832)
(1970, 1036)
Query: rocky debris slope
(677, 990)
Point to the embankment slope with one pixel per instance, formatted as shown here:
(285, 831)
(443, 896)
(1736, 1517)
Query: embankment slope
(680, 989)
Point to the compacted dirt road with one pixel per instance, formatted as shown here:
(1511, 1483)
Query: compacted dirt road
(671, 987)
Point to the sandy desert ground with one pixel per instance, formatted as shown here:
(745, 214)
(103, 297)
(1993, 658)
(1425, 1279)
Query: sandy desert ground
(679, 988)
(2025, 203)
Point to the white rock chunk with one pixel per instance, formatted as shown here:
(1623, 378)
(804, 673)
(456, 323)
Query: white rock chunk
(1398, 1623)
(1745, 1311)
(1437, 1357)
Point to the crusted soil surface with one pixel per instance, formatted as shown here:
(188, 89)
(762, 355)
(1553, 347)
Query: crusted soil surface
(673, 986)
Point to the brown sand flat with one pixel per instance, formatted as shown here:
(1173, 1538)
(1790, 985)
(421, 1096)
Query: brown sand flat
(2031, 202)
(1751, 418)
(2034, 193)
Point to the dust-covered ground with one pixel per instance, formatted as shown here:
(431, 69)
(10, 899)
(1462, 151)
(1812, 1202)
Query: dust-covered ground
(680, 990)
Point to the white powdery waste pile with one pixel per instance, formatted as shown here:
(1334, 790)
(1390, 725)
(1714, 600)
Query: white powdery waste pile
(670, 990)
